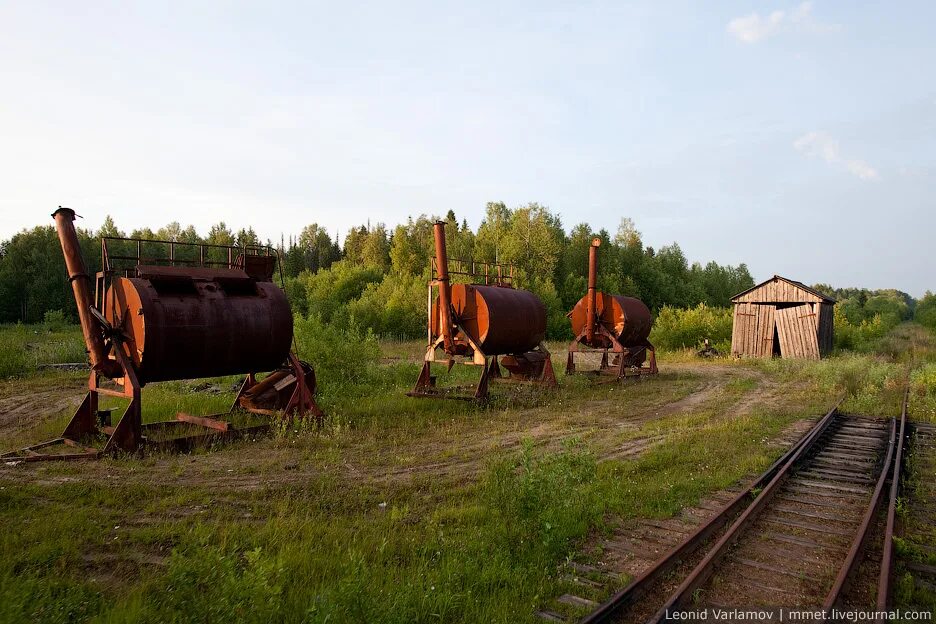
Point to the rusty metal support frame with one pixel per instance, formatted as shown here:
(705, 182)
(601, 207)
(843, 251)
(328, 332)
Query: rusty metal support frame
(621, 370)
(490, 369)
(129, 434)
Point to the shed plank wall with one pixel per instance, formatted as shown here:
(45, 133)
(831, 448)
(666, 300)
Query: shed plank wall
(779, 291)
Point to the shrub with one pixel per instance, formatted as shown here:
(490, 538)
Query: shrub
(678, 328)
(345, 356)
(925, 312)
(55, 320)
(328, 291)
(557, 324)
(864, 335)
(392, 308)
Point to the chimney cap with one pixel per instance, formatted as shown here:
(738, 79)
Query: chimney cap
(67, 211)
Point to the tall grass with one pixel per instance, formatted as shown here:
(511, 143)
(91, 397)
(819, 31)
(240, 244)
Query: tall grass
(25, 348)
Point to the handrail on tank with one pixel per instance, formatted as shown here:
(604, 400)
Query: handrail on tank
(252, 250)
(487, 273)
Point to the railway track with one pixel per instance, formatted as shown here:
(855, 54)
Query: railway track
(793, 538)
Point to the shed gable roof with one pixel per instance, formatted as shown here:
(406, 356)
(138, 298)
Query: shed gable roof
(790, 291)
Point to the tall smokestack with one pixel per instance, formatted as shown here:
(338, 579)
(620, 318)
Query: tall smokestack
(81, 287)
(590, 303)
(445, 292)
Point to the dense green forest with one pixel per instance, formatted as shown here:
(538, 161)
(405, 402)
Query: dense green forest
(375, 280)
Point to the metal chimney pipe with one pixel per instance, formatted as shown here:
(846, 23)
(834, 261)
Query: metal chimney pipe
(591, 303)
(445, 291)
(81, 287)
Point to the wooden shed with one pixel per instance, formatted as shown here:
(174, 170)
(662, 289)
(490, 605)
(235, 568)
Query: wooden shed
(782, 317)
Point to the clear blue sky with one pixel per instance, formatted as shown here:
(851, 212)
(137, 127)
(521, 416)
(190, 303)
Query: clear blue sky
(797, 137)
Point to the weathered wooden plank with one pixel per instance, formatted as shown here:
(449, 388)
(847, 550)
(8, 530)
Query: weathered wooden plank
(762, 330)
(755, 322)
(807, 330)
(755, 327)
(810, 330)
(737, 331)
(796, 343)
(799, 339)
(748, 328)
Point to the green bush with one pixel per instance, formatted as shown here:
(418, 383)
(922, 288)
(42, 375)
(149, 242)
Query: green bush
(557, 323)
(682, 328)
(864, 335)
(393, 308)
(925, 312)
(347, 357)
(55, 320)
(328, 291)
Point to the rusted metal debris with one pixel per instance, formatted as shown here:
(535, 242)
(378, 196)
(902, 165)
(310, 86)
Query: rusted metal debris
(477, 323)
(193, 311)
(611, 323)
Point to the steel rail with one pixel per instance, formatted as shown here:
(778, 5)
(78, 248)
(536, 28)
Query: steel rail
(613, 607)
(706, 567)
(887, 557)
(834, 597)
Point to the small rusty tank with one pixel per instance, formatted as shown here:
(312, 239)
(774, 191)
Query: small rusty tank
(483, 322)
(192, 322)
(626, 318)
(605, 322)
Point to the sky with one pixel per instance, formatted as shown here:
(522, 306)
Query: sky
(796, 137)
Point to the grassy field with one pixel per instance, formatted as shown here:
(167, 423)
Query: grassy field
(400, 509)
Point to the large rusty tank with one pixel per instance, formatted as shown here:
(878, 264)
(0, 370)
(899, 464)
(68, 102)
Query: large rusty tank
(483, 322)
(188, 322)
(168, 310)
(605, 322)
(500, 320)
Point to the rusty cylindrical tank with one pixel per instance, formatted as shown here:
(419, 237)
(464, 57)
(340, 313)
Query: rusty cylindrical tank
(186, 323)
(500, 320)
(626, 318)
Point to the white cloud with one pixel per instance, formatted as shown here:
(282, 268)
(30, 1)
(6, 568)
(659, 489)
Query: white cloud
(821, 145)
(755, 27)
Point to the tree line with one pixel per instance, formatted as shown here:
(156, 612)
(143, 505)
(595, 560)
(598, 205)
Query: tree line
(375, 279)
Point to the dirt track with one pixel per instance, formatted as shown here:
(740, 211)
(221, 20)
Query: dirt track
(616, 427)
